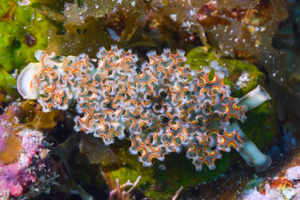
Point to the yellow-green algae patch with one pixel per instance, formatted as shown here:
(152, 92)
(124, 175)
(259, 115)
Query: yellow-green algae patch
(236, 68)
(23, 30)
(8, 84)
(261, 124)
(203, 56)
(163, 179)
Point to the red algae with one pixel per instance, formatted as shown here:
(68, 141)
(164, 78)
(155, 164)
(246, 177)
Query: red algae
(17, 176)
(22, 153)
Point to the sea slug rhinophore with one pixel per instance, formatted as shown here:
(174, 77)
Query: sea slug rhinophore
(164, 105)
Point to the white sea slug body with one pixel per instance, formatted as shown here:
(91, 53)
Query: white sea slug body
(164, 105)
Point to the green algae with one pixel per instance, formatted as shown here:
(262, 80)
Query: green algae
(129, 170)
(163, 179)
(199, 57)
(23, 30)
(261, 124)
(94, 151)
(8, 84)
(236, 68)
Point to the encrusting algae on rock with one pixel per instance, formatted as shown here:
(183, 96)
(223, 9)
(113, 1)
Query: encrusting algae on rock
(24, 166)
(163, 105)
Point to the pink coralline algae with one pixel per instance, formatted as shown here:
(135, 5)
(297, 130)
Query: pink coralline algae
(21, 162)
(281, 188)
(164, 105)
(16, 176)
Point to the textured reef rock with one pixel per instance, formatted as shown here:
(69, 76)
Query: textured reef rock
(164, 105)
(17, 175)
(278, 188)
(284, 186)
(24, 165)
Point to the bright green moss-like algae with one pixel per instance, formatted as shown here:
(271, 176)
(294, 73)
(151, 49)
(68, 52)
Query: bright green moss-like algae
(23, 30)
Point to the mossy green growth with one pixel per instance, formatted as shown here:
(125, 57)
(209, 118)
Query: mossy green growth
(199, 57)
(163, 179)
(23, 30)
(8, 84)
(130, 170)
(261, 124)
(235, 69)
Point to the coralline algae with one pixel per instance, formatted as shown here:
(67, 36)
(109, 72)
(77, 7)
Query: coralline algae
(282, 187)
(22, 156)
(164, 105)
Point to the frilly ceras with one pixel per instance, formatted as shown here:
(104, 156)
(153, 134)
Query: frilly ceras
(163, 104)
